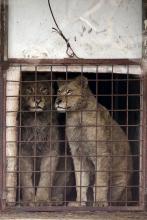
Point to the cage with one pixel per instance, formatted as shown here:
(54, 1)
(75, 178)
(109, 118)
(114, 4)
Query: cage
(73, 132)
(31, 111)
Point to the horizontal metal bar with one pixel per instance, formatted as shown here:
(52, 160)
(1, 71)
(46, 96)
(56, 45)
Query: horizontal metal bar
(80, 171)
(69, 156)
(67, 61)
(101, 95)
(110, 110)
(80, 186)
(75, 141)
(89, 80)
(75, 209)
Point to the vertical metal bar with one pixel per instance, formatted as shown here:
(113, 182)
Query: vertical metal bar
(111, 130)
(144, 158)
(3, 97)
(35, 145)
(141, 152)
(3, 16)
(97, 144)
(19, 138)
(1, 106)
(2, 129)
(81, 156)
(51, 127)
(66, 155)
(127, 123)
(66, 141)
(144, 69)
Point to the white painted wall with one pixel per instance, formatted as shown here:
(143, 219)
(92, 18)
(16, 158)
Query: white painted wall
(95, 28)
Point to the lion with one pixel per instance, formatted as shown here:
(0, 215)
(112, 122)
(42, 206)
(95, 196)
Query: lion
(42, 172)
(98, 145)
(38, 153)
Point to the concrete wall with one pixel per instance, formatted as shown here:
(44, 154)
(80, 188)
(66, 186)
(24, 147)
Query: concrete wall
(95, 28)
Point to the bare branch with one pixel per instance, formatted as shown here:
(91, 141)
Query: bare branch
(69, 51)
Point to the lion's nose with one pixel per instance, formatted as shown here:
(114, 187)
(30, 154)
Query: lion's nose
(37, 100)
(58, 101)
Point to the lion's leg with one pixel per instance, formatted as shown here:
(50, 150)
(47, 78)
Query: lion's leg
(119, 193)
(82, 183)
(28, 191)
(101, 181)
(85, 181)
(47, 171)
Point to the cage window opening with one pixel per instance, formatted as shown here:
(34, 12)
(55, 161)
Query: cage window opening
(118, 93)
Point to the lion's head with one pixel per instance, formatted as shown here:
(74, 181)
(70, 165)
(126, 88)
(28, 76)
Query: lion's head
(71, 94)
(36, 96)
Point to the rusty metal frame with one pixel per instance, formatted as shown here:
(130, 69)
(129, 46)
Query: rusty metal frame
(1, 137)
(3, 56)
(5, 62)
(139, 207)
(67, 61)
(144, 68)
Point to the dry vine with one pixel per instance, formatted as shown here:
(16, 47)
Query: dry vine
(69, 51)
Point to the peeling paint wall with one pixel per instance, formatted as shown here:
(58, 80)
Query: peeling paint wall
(95, 28)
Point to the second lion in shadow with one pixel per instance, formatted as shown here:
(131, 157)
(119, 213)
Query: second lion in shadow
(40, 151)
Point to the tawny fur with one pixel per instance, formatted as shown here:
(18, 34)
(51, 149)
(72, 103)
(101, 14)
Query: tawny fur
(98, 145)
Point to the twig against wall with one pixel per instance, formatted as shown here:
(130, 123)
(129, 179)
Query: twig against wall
(69, 51)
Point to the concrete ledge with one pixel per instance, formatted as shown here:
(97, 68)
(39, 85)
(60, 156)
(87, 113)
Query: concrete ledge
(73, 216)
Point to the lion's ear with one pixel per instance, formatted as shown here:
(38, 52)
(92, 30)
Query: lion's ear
(83, 81)
(60, 82)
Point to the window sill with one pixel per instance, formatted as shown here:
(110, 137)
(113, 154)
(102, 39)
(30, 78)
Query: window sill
(73, 216)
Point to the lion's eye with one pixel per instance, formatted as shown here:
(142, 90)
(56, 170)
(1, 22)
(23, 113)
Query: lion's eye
(29, 90)
(69, 92)
(44, 90)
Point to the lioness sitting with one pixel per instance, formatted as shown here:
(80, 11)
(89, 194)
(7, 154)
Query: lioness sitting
(98, 145)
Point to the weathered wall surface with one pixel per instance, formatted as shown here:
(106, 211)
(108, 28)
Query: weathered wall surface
(95, 28)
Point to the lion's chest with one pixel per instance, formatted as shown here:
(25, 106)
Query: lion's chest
(35, 135)
(81, 135)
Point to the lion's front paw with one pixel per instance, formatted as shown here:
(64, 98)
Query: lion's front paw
(77, 204)
(31, 204)
(57, 200)
(41, 202)
(42, 199)
(101, 204)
